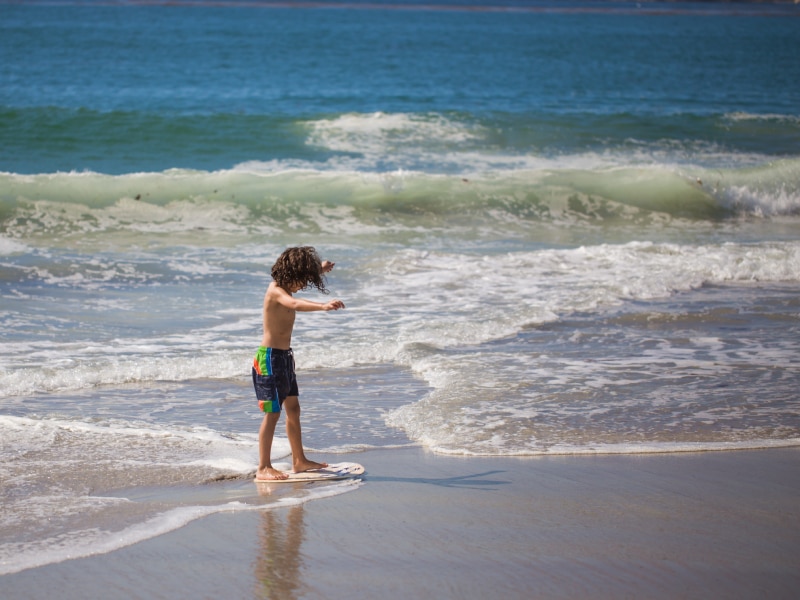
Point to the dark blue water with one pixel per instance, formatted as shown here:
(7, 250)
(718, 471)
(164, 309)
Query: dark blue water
(118, 89)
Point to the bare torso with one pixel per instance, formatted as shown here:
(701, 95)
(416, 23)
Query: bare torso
(280, 308)
(278, 320)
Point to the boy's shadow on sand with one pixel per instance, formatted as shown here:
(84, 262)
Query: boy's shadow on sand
(472, 482)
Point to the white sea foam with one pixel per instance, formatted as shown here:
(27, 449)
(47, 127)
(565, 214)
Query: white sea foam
(368, 196)
(494, 447)
(16, 557)
(376, 156)
(745, 116)
(71, 368)
(518, 401)
(384, 133)
(9, 246)
(530, 404)
(104, 454)
(490, 297)
(763, 203)
(124, 441)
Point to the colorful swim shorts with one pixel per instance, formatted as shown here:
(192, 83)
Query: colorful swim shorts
(273, 378)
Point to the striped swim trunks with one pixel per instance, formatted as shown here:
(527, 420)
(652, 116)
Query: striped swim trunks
(273, 378)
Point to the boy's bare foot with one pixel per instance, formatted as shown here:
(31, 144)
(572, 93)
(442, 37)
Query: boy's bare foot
(307, 465)
(270, 474)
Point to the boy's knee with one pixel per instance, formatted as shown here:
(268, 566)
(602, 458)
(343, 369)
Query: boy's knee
(291, 406)
(270, 419)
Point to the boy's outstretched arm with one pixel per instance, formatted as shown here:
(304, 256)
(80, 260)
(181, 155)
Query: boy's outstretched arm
(303, 305)
(285, 299)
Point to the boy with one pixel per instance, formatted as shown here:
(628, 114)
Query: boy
(273, 368)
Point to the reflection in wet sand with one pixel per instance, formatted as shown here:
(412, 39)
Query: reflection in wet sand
(279, 563)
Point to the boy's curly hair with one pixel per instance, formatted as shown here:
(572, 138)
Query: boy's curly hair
(299, 265)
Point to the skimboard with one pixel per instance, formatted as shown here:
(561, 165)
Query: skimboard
(343, 470)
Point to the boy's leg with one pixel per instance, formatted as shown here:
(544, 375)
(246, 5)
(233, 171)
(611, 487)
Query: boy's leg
(265, 435)
(299, 461)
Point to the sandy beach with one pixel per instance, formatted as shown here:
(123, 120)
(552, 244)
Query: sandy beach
(694, 525)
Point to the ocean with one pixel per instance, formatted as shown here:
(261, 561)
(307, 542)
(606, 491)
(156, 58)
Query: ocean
(558, 228)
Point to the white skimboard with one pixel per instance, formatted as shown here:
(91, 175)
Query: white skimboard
(343, 470)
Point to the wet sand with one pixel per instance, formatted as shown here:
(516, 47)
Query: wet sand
(695, 525)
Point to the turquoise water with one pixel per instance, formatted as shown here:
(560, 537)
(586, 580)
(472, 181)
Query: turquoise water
(558, 228)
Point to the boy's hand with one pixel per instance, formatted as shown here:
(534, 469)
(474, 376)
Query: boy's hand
(333, 305)
(327, 266)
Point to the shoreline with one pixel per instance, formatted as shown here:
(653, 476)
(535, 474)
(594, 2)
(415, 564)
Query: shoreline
(691, 525)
